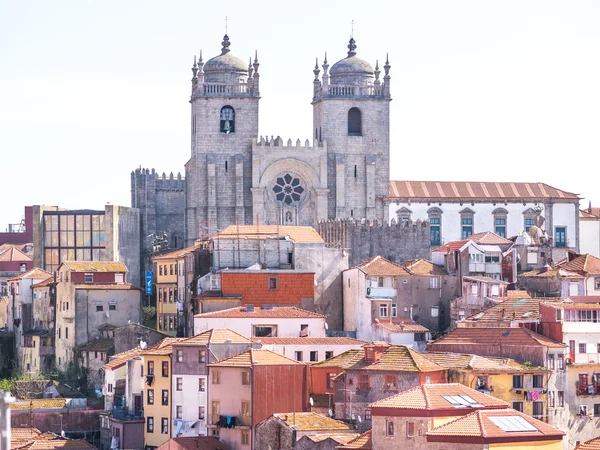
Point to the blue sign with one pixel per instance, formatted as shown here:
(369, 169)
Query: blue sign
(149, 283)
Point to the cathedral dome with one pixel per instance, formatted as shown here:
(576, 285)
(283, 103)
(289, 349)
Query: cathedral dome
(225, 65)
(351, 68)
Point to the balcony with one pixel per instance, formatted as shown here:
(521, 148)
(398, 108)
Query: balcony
(587, 389)
(127, 414)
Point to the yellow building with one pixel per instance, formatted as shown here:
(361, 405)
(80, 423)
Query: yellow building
(523, 387)
(174, 277)
(156, 374)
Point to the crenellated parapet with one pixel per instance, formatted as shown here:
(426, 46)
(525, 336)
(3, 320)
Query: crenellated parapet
(266, 141)
(148, 178)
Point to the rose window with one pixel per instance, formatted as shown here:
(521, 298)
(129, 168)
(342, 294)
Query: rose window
(288, 189)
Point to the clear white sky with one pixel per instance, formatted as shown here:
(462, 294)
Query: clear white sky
(500, 91)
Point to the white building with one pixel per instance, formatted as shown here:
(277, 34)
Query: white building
(457, 210)
(264, 322)
(589, 231)
(309, 349)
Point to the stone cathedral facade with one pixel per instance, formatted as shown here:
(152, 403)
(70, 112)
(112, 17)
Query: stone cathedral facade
(235, 176)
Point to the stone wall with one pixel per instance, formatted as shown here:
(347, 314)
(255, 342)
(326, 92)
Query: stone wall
(396, 242)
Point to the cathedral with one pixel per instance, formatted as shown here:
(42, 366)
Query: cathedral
(235, 176)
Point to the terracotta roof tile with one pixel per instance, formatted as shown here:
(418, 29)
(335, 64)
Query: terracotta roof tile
(21, 436)
(589, 213)
(339, 438)
(510, 309)
(481, 424)
(73, 444)
(495, 336)
(195, 443)
(309, 341)
(95, 266)
(452, 246)
(164, 347)
(311, 421)
(47, 282)
(474, 190)
(281, 312)
(395, 358)
(430, 397)
(253, 357)
(120, 359)
(304, 235)
(593, 444)
(35, 273)
(401, 326)
(362, 442)
(98, 345)
(466, 361)
(540, 273)
(177, 253)
(47, 403)
(583, 264)
(215, 336)
(489, 238)
(517, 294)
(423, 267)
(379, 266)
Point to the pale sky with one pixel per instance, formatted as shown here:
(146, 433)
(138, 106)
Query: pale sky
(482, 90)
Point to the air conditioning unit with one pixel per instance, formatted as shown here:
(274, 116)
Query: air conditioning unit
(214, 283)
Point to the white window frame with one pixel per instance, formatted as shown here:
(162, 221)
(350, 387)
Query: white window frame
(383, 310)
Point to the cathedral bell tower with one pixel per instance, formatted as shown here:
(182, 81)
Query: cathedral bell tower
(224, 122)
(351, 112)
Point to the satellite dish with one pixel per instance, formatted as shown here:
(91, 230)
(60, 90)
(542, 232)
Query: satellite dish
(359, 419)
(107, 314)
(62, 433)
(330, 413)
(143, 345)
(311, 401)
(326, 326)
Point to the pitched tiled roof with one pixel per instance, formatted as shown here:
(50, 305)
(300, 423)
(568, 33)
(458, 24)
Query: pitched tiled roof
(120, 359)
(489, 238)
(582, 264)
(277, 312)
(35, 273)
(430, 397)
(311, 421)
(304, 235)
(589, 213)
(177, 253)
(593, 444)
(423, 267)
(362, 442)
(481, 424)
(47, 282)
(510, 309)
(195, 443)
(21, 436)
(346, 360)
(379, 266)
(73, 444)
(164, 347)
(466, 361)
(401, 326)
(309, 341)
(517, 294)
(395, 358)
(215, 336)
(452, 246)
(495, 336)
(95, 266)
(11, 253)
(544, 272)
(339, 438)
(475, 190)
(111, 286)
(47, 403)
(253, 357)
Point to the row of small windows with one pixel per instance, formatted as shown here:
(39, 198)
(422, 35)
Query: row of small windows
(466, 222)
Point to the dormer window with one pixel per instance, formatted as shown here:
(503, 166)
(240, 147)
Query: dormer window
(227, 120)
(354, 122)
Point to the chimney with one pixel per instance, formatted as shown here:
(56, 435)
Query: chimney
(374, 351)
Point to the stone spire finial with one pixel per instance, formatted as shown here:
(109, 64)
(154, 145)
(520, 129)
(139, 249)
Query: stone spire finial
(325, 65)
(195, 69)
(377, 72)
(317, 70)
(250, 68)
(226, 43)
(200, 62)
(351, 47)
(387, 65)
(256, 63)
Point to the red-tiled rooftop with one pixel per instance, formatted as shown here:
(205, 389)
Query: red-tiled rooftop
(401, 326)
(476, 363)
(380, 266)
(177, 253)
(253, 357)
(35, 273)
(309, 341)
(423, 267)
(430, 397)
(362, 442)
(277, 312)
(583, 264)
(95, 266)
(215, 336)
(194, 443)
(475, 190)
(484, 426)
(106, 286)
(592, 444)
(495, 336)
(525, 309)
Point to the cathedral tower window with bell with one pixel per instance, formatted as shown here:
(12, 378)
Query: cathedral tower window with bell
(227, 119)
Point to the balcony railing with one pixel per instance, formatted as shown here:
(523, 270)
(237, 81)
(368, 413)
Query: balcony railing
(587, 389)
(127, 414)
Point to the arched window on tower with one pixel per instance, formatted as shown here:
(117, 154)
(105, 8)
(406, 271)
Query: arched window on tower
(354, 122)
(227, 119)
